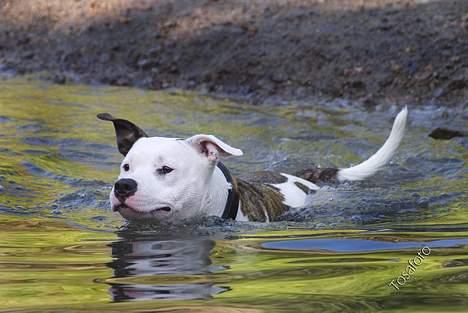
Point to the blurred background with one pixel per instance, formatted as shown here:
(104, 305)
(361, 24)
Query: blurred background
(371, 51)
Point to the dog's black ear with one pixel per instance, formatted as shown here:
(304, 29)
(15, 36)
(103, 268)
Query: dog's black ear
(126, 132)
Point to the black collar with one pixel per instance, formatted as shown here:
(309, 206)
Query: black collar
(232, 202)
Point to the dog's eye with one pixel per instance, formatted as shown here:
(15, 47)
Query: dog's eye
(164, 170)
(126, 167)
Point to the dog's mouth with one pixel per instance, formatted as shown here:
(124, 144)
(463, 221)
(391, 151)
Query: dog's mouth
(121, 206)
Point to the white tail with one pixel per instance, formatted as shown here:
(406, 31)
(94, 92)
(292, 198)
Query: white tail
(381, 157)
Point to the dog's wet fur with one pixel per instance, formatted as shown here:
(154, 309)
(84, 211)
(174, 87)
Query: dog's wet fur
(171, 178)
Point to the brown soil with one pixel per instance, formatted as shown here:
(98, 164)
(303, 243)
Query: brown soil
(390, 51)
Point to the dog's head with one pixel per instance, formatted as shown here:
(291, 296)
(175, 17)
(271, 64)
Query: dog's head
(163, 178)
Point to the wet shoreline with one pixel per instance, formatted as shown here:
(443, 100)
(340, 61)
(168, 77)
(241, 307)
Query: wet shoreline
(380, 52)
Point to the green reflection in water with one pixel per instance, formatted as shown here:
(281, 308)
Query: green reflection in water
(47, 266)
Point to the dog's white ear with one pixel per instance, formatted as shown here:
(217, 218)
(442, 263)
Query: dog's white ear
(212, 147)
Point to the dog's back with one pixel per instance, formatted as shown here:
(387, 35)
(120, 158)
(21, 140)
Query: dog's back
(264, 196)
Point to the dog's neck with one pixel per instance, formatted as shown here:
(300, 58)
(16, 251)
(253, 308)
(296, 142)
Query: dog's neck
(216, 195)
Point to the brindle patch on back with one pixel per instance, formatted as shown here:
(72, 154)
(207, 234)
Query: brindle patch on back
(260, 202)
(316, 174)
(264, 177)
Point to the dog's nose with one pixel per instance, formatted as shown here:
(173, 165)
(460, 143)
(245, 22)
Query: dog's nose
(125, 187)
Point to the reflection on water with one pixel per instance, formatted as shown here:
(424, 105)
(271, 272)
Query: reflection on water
(358, 245)
(144, 257)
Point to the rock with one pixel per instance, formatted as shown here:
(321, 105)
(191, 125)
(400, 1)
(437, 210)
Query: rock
(438, 92)
(104, 57)
(457, 83)
(425, 74)
(320, 225)
(278, 77)
(358, 84)
(28, 55)
(145, 63)
(59, 79)
(122, 81)
(155, 50)
(125, 20)
(368, 101)
(445, 133)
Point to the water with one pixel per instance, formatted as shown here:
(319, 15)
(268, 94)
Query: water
(63, 250)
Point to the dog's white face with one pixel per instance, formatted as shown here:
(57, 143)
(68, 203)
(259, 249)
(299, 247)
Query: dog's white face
(170, 176)
(163, 178)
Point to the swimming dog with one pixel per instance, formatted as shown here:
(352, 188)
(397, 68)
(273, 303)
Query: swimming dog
(173, 179)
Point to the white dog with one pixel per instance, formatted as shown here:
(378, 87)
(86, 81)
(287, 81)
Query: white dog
(171, 178)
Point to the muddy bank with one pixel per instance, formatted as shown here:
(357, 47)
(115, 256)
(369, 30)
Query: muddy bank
(380, 51)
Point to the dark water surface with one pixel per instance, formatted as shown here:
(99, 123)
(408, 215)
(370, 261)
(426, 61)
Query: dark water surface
(63, 250)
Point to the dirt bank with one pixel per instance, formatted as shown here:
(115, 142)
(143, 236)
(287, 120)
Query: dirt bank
(368, 50)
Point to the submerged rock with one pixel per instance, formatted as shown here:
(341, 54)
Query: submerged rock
(445, 133)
